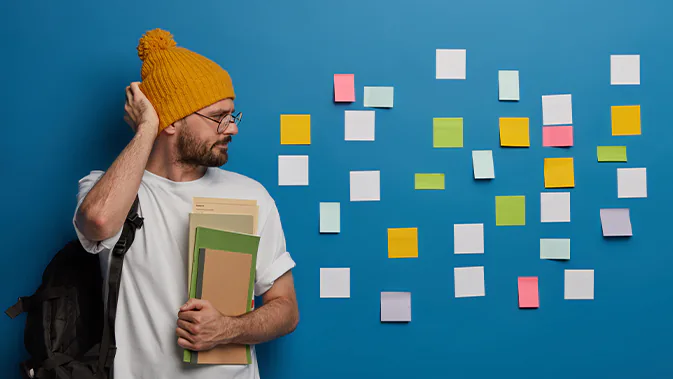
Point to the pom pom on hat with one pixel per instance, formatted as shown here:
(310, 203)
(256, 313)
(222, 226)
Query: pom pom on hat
(155, 40)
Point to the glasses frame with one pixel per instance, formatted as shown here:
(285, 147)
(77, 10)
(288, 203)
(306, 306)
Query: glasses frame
(223, 124)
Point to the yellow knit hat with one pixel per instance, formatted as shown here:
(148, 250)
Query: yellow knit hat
(179, 82)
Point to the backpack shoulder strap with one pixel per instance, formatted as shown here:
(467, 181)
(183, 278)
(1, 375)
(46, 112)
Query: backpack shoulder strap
(107, 347)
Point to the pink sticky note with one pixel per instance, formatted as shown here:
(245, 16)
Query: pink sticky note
(528, 293)
(557, 136)
(344, 88)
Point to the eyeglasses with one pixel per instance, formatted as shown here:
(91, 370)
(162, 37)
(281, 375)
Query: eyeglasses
(223, 124)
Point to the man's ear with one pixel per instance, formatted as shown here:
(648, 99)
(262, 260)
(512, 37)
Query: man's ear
(171, 129)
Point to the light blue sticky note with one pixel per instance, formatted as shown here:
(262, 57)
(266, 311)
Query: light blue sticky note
(554, 248)
(508, 84)
(330, 217)
(482, 161)
(379, 97)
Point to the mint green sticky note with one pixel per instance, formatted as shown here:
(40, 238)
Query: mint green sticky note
(330, 217)
(379, 97)
(429, 181)
(510, 210)
(611, 153)
(447, 132)
(482, 163)
(554, 248)
(508, 85)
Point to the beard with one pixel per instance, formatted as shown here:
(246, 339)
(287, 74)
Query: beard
(195, 153)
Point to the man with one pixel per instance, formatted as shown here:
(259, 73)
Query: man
(183, 117)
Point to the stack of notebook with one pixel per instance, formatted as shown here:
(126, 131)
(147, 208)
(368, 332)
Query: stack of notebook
(223, 246)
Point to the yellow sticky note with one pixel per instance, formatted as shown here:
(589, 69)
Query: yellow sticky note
(559, 173)
(295, 129)
(626, 120)
(403, 243)
(514, 131)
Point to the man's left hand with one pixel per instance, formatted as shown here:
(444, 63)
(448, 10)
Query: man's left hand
(201, 326)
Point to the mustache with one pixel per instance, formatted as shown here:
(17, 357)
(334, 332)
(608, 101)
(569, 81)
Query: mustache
(224, 141)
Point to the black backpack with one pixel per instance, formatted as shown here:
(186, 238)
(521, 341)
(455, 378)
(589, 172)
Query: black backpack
(67, 334)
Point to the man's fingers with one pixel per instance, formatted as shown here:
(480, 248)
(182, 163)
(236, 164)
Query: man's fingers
(193, 304)
(129, 95)
(185, 335)
(188, 326)
(135, 89)
(186, 344)
(189, 316)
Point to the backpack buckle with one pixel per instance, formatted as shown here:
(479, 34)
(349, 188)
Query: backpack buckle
(15, 309)
(136, 221)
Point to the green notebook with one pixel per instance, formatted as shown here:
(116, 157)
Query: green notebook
(214, 240)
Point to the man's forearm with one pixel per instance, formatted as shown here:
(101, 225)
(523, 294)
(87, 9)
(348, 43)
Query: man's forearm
(270, 321)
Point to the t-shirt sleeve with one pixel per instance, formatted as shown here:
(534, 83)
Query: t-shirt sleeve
(94, 247)
(272, 258)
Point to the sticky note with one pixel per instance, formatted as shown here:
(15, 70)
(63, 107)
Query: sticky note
(469, 281)
(451, 64)
(508, 85)
(579, 284)
(429, 181)
(359, 125)
(395, 306)
(528, 292)
(555, 248)
(510, 210)
(624, 70)
(611, 153)
(447, 132)
(482, 164)
(514, 132)
(468, 239)
(344, 88)
(379, 97)
(335, 282)
(295, 129)
(557, 136)
(365, 185)
(555, 207)
(631, 182)
(559, 173)
(626, 120)
(293, 170)
(616, 222)
(403, 243)
(557, 110)
(330, 217)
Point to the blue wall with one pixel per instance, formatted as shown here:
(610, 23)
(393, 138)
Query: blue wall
(64, 67)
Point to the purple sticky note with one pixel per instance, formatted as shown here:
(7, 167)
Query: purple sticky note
(616, 222)
(395, 306)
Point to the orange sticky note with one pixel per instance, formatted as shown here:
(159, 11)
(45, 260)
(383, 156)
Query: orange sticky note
(403, 243)
(557, 136)
(514, 132)
(529, 296)
(626, 120)
(344, 88)
(559, 173)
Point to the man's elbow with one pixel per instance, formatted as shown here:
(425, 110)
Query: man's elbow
(93, 227)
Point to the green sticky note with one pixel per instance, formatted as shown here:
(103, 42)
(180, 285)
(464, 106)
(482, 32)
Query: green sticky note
(508, 84)
(379, 97)
(554, 248)
(429, 181)
(611, 153)
(447, 132)
(330, 217)
(510, 210)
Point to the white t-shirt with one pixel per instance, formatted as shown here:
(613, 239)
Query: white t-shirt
(154, 277)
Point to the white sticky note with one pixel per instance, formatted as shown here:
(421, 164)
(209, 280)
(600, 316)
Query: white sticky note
(508, 85)
(293, 170)
(555, 206)
(379, 97)
(359, 125)
(469, 281)
(335, 282)
(365, 185)
(451, 63)
(468, 238)
(330, 217)
(631, 182)
(557, 110)
(625, 69)
(555, 248)
(579, 284)
(395, 306)
(482, 164)
(616, 222)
